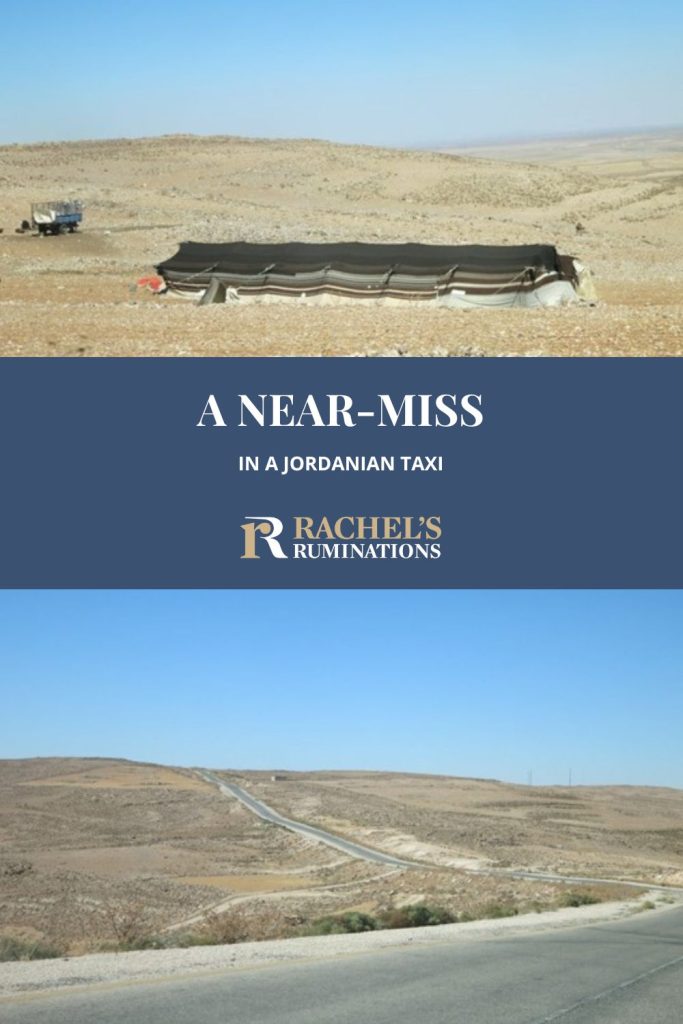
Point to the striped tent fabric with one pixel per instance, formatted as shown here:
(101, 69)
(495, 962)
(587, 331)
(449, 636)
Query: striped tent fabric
(458, 275)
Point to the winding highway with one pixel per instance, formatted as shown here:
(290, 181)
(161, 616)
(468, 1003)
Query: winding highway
(309, 831)
(625, 972)
(231, 789)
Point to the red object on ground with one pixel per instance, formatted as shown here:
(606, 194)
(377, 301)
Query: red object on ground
(154, 283)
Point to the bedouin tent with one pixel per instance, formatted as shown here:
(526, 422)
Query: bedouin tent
(450, 275)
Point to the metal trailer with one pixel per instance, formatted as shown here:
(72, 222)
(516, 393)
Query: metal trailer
(55, 218)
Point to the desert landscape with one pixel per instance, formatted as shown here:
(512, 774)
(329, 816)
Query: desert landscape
(614, 202)
(107, 854)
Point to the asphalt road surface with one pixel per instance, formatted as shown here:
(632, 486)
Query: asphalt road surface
(625, 972)
(310, 831)
(365, 853)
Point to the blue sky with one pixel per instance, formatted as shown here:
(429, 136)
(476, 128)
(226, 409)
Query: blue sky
(383, 72)
(480, 683)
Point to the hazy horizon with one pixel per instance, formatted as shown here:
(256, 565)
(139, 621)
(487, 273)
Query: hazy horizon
(479, 684)
(438, 145)
(380, 75)
(358, 770)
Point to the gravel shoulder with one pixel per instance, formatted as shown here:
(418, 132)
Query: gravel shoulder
(26, 978)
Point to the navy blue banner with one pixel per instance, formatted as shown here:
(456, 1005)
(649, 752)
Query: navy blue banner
(344, 473)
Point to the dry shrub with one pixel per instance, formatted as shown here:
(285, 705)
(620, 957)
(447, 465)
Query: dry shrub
(578, 899)
(419, 915)
(498, 910)
(129, 925)
(240, 925)
(12, 948)
(340, 924)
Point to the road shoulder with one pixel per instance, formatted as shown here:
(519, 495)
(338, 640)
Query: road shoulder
(27, 979)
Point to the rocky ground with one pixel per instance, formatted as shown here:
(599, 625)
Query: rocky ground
(618, 208)
(96, 852)
(604, 831)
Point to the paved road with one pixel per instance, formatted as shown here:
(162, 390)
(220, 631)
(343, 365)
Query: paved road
(546, 876)
(310, 831)
(365, 853)
(626, 972)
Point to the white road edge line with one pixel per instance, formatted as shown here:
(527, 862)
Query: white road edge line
(609, 991)
(263, 811)
(378, 856)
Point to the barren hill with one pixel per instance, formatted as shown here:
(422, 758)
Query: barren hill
(97, 851)
(624, 831)
(76, 294)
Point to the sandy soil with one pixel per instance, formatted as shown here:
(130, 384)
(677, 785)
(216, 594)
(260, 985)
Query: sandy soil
(77, 294)
(85, 844)
(90, 847)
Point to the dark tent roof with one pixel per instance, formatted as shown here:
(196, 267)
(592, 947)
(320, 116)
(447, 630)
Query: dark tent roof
(248, 258)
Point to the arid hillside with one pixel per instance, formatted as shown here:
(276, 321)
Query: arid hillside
(98, 853)
(77, 294)
(605, 831)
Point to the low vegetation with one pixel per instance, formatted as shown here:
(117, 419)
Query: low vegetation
(338, 924)
(577, 899)
(493, 910)
(130, 930)
(418, 916)
(21, 949)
